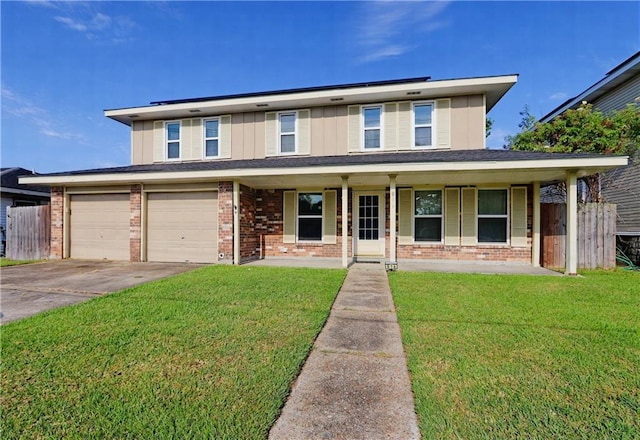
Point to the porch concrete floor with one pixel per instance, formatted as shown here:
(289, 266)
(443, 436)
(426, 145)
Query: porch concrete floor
(452, 266)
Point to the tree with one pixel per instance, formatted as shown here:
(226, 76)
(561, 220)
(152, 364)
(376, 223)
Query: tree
(583, 130)
(488, 125)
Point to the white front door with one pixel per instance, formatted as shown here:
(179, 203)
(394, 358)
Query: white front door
(369, 224)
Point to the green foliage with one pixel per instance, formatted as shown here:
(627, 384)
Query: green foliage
(583, 130)
(488, 125)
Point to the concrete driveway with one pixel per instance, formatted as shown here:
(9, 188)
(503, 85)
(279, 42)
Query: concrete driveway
(32, 288)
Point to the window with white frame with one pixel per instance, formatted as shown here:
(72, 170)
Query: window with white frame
(211, 137)
(372, 117)
(310, 216)
(428, 215)
(423, 124)
(287, 134)
(173, 140)
(492, 215)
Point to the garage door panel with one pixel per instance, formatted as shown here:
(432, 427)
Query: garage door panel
(182, 227)
(99, 226)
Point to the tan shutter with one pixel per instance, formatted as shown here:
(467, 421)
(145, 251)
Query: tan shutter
(405, 216)
(354, 128)
(270, 133)
(304, 134)
(158, 141)
(405, 126)
(224, 141)
(390, 126)
(443, 123)
(289, 217)
(452, 216)
(469, 220)
(329, 199)
(196, 139)
(519, 216)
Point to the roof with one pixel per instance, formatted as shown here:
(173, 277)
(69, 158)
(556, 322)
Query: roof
(492, 87)
(9, 182)
(616, 76)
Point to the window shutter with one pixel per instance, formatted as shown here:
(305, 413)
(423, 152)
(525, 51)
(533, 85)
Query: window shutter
(271, 136)
(185, 139)
(390, 126)
(405, 216)
(354, 128)
(443, 123)
(197, 136)
(224, 142)
(158, 141)
(469, 221)
(289, 217)
(452, 217)
(329, 199)
(304, 141)
(405, 126)
(519, 216)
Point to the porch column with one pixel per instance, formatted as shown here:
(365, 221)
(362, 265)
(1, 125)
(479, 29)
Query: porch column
(535, 233)
(392, 218)
(345, 222)
(236, 222)
(571, 247)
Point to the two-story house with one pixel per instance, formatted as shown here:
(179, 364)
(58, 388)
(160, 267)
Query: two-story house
(386, 170)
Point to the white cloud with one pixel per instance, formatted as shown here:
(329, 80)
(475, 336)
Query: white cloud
(71, 24)
(383, 32)
(558, 96)
(496, 140)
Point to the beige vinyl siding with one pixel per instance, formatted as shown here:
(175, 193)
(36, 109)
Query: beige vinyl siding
(270, 133)
(443, 123)
(186, 140)
(158, 141)
(622, 187)
(405, 216)
(390, 126)
(518, 216)
(99, 226)
(226, 138)
(618, 98)
(467, 119)
(452, 216)
(329, 217)
(303, 133)
(355, 128)
(182, 226)
(142, 138)
(405, 126)
(469, 218)
(289, 217)
(197, 139)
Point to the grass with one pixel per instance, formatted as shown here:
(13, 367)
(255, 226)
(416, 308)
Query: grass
(207, 354)
(495, 356)
(4, 262)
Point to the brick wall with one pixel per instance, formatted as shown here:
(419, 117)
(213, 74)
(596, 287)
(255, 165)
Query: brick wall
(225, 221)
(135, 222)
(249, 244)
(57, 222)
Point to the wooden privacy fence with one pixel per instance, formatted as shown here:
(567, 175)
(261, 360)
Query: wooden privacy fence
(28, 232)
(596, 235)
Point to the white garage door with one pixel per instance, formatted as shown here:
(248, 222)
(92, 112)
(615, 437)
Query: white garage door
(182, 227)
(99, 226)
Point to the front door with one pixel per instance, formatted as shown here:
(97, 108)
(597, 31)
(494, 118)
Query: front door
(369, 222)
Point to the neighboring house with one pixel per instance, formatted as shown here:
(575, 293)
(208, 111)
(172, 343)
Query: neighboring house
(16, 194)
(620, 87)
(387, 170)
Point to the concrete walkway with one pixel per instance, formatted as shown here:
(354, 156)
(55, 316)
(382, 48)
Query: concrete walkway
(355, 384)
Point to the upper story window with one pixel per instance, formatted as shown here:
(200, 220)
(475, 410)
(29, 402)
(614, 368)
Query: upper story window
(212, 137)
(492, 216)
(172, 130)
(310, 216)
(423, 125)
(287, 132)
(428, 215)
(372, 127)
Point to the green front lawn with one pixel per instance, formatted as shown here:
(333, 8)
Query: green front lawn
(4, 262)
(494, 356)
(207, 354)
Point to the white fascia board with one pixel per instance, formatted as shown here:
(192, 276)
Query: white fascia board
(334, 170)
(427, 89)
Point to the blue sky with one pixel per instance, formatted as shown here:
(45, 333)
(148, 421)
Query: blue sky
(63, 63)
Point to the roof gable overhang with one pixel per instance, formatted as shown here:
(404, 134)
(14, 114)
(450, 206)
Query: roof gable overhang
(492, 87)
